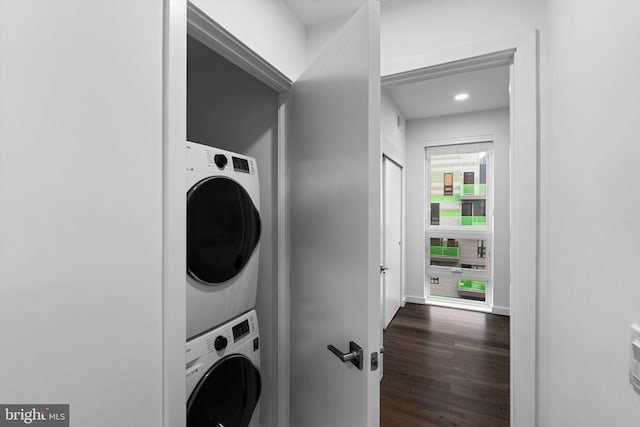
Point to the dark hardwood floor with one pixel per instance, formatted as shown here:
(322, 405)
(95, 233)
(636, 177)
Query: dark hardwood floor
(445, 367)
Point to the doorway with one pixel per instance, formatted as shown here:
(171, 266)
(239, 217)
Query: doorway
(452, 154)
(218, 93)
(518, 52)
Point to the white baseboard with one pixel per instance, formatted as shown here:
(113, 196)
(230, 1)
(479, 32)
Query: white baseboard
(460, 305)
(503, 311)
(415, 300)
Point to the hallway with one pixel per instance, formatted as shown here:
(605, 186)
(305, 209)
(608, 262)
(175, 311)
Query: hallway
(445, 367)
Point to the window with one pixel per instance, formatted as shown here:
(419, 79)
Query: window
(482, 249)
(458, 232)
(435, 213)
(460, 253)
(468, 182)
(448, 184)
(469, 177)
(467, 209)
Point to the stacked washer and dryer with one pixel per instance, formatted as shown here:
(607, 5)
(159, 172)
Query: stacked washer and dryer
(223, 233)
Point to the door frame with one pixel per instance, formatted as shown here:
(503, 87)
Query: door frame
(174, 215)
(181, 18)
(522, 50)
(387, 157)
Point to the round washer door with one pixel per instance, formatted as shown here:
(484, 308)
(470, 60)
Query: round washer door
(223, 230)
(226, 395)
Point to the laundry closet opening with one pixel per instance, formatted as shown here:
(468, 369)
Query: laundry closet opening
(229, 109)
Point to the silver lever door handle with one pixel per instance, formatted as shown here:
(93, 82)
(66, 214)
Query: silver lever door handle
(354, 356)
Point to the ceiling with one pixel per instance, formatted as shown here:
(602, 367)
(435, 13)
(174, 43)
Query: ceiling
(312, 12)
(487, 89)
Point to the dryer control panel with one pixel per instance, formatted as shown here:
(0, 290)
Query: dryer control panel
(203, 157)
(240, 165)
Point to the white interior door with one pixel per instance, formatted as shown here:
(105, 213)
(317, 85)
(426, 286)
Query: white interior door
(333, 155)
(392, 238)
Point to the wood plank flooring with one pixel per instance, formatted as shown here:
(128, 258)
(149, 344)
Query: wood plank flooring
(445, 367)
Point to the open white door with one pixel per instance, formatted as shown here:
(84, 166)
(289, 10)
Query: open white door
(333, 155)
(392, 239)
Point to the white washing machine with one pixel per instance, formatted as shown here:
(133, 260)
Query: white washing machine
(223, 234)
(223, 375)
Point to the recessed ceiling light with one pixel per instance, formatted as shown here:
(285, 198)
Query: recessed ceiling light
(461, 96)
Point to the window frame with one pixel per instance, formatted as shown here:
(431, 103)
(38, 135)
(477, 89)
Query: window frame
(460, 232)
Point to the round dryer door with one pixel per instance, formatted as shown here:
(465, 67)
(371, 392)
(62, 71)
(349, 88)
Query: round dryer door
(223, 229)
(226, 395)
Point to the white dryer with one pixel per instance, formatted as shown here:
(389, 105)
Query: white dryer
(223, 232)
(223, 375)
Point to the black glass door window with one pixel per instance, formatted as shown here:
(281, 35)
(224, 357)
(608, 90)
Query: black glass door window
(469, 178)
(226, 395)
(223, 230)
(435, 213)
(467, 209)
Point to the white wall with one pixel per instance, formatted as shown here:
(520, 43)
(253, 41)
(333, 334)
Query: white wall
(589, 100)
(589, 295)
(81, 208)
(429, 132)
(320, 34)
(411, 28)
(227, 108)
(267, 27)
(393, 137)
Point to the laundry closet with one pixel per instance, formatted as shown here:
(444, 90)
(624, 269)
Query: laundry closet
(319, 248)
(231, 110)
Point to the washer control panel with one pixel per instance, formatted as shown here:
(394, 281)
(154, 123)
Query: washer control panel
(239, 336)
(240, 330)
(220, 343)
